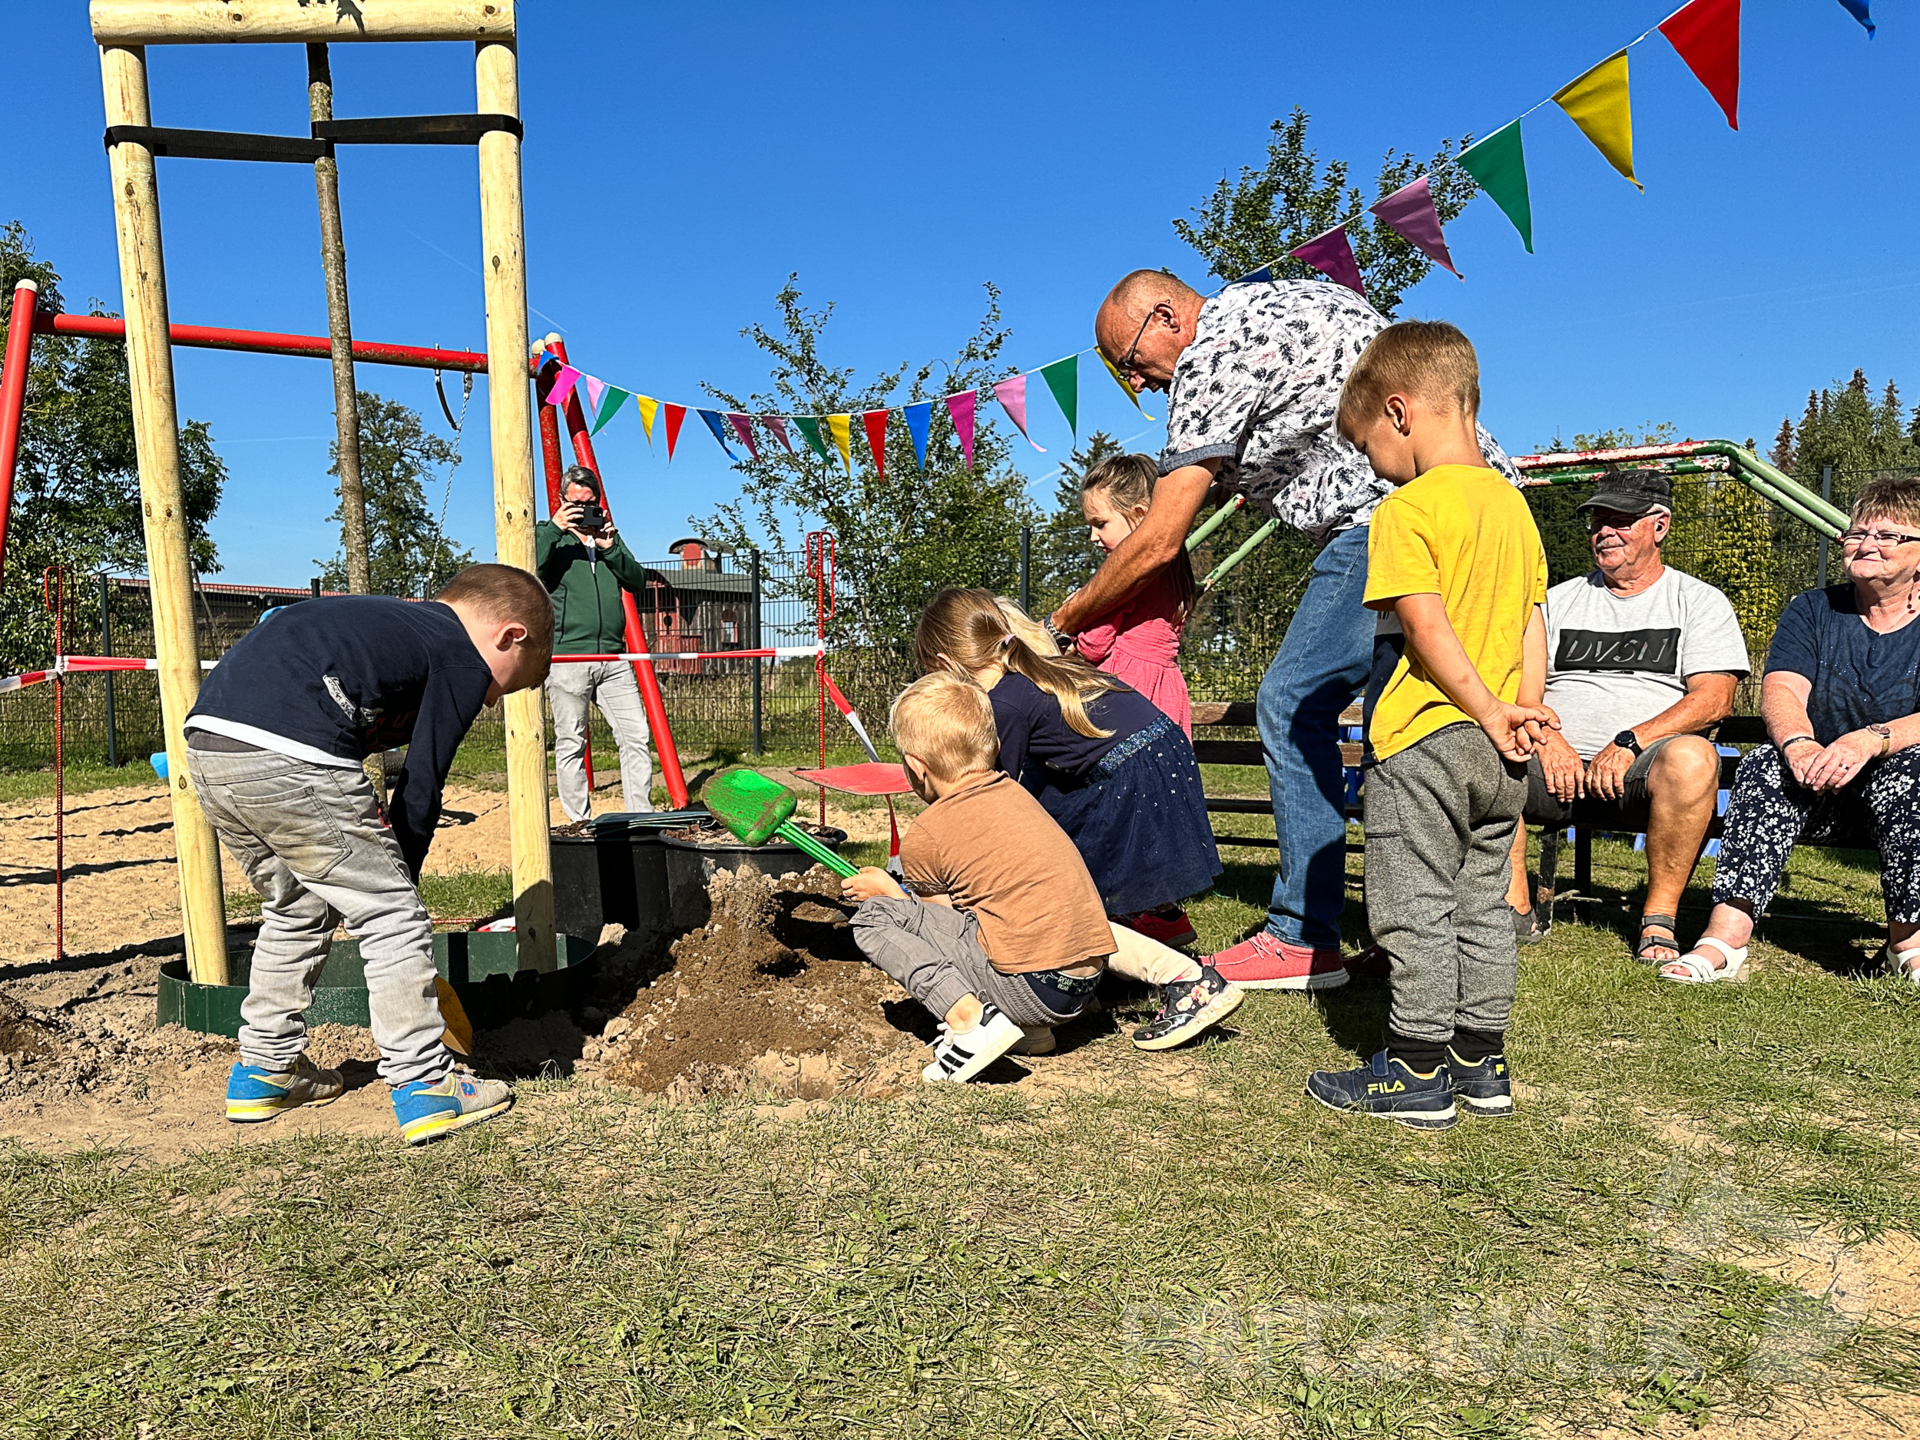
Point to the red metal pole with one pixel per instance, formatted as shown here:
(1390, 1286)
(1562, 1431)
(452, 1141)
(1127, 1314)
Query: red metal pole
(272, 342)
(13, 394)
(650, 696)
(53, 590)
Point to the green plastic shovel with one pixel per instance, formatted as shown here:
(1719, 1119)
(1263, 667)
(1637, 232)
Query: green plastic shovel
(757, 809)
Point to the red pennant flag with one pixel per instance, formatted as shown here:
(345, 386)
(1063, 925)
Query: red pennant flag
(876, 423)
(675, 414)
(1707, 35)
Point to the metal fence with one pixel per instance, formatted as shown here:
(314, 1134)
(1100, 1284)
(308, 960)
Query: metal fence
(1723, 533)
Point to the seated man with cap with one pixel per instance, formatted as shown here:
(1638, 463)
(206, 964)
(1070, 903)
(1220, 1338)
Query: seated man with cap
(1642, 661)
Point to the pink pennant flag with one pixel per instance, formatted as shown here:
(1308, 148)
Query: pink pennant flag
(778, 425)
(563, 384)
(596, 387)
(743, 427)
(1409, 210)
(1012, 395)
(961, 408)
(1332, 256)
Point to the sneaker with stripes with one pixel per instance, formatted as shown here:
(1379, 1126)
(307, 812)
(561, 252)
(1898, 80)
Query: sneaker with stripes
(960, 1057)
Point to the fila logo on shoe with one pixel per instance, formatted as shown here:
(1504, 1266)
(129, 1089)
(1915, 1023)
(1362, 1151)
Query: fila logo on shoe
(1394, 1089)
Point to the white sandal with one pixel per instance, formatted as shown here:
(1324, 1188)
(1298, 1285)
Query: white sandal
(1904, 964)
(1695, 969)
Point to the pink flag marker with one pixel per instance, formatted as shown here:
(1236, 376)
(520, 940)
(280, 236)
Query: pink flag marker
(961, 407)
(1012, 395)
(1332, 256)
(778, 425)
(1409, 210)
(743, 427)
(563, 384)
(596, 387)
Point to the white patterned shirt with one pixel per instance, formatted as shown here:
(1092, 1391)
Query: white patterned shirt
(1257, 388)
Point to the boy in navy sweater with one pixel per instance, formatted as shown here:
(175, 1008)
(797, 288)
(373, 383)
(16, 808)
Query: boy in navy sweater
(275, 744)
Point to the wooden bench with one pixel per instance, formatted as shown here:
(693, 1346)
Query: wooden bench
(1240, 715)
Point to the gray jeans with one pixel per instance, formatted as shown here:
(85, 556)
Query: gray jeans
(934, 952)
(610, 685)
(313, 842)
(1440, 817)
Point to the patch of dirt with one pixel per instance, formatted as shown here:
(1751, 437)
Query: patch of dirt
(712, 832)
(772, 994)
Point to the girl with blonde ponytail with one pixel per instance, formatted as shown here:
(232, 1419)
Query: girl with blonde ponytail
(1116, 774)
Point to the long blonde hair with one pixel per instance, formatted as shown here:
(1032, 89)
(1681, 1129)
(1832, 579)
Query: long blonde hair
(965, 631)
(1127, 481)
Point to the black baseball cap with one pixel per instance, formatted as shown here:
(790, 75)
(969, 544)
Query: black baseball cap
(1632, 492)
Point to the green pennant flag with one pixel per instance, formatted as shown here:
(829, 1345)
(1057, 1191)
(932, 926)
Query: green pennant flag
(810, 427)
(609, 403)
(1500, 165)
(1063, 379)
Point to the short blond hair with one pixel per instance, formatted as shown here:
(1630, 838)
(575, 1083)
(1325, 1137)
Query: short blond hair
(505, 594)
(1897, 500)
(947, 721)
(1427, 359)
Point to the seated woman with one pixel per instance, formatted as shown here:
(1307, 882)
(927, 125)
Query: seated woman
(1840, 698)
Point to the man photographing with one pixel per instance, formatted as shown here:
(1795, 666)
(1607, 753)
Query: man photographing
(585, 565)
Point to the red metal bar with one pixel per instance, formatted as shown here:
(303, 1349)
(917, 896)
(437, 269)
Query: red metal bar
(13, 393)
(1559, 459)
(271, 342)
(650, 696)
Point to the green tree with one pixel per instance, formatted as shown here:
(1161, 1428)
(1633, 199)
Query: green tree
(1064, 555)
(76, 497)
(406, 552)
(1846, 428)
(898, 538)
(1256, 219)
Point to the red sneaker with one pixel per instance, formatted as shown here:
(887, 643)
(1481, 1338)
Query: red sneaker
(1175, 930)
(1263, 961)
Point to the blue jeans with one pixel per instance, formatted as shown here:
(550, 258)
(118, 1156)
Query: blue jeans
(1322, 665)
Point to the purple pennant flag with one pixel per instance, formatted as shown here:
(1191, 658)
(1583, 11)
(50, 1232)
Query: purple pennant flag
(1332, 256)
(743, 427)
(563, 384)
(1012, 395)
(778, 425)
(1409, 210)
(961, 408)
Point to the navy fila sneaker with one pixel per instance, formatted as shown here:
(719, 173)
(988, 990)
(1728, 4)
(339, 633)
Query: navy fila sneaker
(1388, 1089)
(1484, 1088)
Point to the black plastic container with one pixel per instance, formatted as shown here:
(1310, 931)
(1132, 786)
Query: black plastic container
(616, 875)
(691, 865)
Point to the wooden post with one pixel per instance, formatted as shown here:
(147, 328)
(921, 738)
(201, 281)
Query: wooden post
(143, 285)
(510, 411)
(188, 22)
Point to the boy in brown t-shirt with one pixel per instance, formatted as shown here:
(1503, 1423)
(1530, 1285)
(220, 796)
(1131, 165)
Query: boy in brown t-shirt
(1009, 934)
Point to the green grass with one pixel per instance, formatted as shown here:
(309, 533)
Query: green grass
(464, 895)
(1141, 1257)
(17, 786)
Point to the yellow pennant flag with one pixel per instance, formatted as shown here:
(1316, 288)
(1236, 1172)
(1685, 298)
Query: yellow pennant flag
(1120, 380)
(649, 407)
(1599, 103)
(842, 428)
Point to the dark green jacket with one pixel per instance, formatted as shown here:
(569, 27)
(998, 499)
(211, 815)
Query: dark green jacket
(585, 583)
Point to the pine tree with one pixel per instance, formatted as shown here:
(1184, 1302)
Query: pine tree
(1782, 453)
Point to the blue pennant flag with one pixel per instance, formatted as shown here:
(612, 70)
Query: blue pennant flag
(918, 417)
(712, 417)
(1858, 9)
(1256, 277)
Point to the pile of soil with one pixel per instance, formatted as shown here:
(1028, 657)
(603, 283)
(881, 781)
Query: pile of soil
(772, 994)
(712, 832)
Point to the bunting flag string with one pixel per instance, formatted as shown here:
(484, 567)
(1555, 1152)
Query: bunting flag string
(1706, 34)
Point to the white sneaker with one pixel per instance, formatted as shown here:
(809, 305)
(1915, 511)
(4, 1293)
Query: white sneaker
(1034, 1040)
(958, 1058)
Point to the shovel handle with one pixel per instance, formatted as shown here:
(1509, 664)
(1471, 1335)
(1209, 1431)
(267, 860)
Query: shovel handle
(793, 833)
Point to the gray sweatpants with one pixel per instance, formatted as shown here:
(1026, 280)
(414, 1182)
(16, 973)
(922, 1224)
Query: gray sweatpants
(610, 685)
(313, 842)
(1440, 817)
(934, 952)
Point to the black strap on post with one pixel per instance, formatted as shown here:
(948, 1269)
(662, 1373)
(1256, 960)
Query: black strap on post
(219, 144)
(416, 129)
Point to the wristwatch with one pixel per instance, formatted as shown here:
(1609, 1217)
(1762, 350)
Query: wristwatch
(1628, 741)
(1885, 732)
(1059, 636)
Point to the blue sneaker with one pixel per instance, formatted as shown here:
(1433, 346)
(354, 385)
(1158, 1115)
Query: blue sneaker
(1388, 1089)
(426, 1112)
(255, 1093)
(1484, 1088)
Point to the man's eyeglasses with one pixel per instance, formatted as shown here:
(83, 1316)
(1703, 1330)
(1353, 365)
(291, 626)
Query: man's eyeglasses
(1124, 365)
(1609, 520)
(1885, 539)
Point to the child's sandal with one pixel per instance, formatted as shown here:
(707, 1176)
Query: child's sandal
(1643, 952)
(1693, 968)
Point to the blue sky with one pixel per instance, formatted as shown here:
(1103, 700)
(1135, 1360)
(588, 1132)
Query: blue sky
(680, 161)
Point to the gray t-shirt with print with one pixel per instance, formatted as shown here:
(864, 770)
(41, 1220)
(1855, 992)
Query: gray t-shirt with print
(1257, 388)
(1615, 663)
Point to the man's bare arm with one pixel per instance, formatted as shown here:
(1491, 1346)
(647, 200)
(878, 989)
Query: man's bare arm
(1708, 701)
(1158, 542)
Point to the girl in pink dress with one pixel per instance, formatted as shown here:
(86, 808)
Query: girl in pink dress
(1138, 641)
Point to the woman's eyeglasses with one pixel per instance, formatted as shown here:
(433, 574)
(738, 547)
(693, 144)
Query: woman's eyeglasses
(1885, 539)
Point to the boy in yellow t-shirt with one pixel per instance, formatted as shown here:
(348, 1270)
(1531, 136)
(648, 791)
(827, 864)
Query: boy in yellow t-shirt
(1457, 573)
